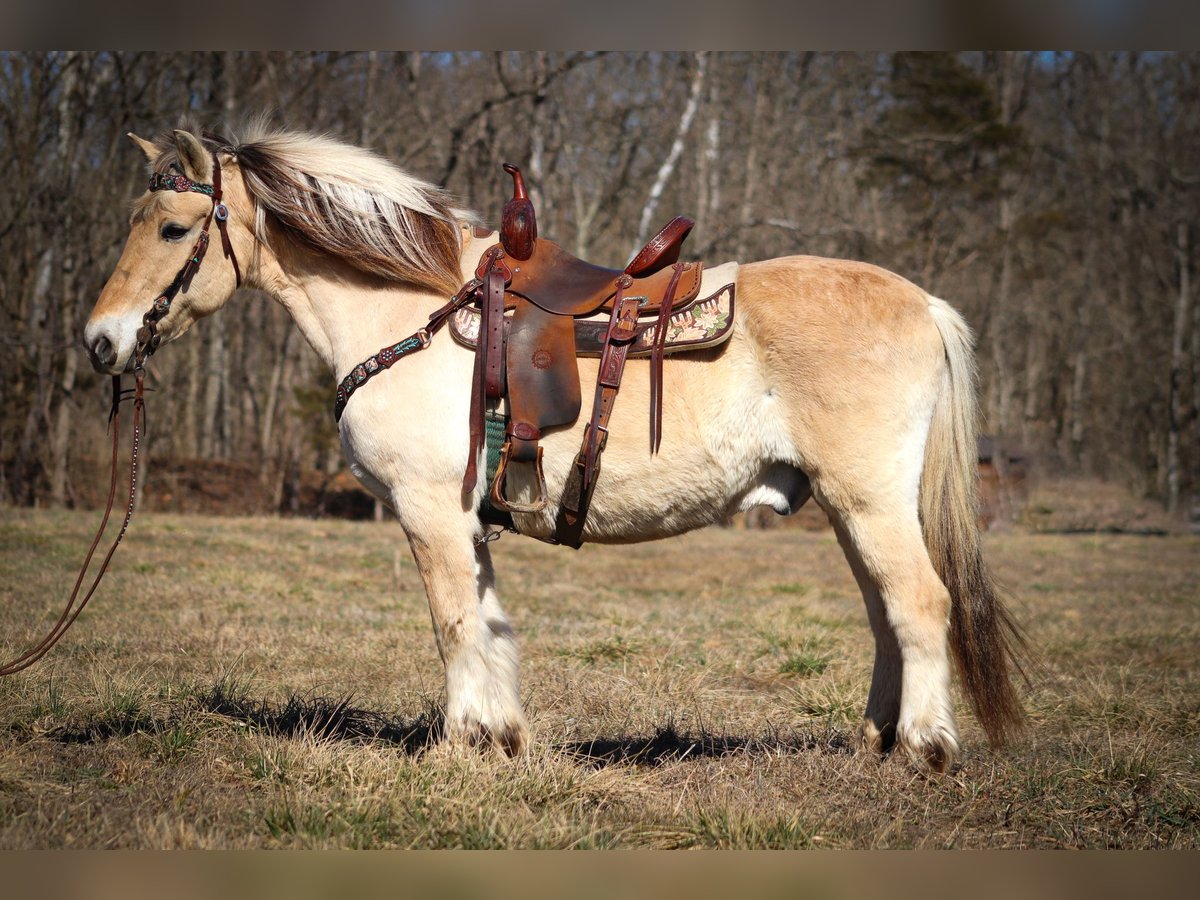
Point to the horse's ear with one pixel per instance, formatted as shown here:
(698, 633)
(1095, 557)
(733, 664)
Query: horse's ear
(147, 147)
(196, 161)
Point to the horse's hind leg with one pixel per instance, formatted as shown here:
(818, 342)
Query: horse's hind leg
(878, 730)
(474, 638)
(910, 703)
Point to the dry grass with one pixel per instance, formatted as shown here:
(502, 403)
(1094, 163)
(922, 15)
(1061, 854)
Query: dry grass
(256, 682)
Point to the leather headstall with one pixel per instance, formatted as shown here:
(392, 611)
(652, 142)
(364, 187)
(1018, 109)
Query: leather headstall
(147, 337)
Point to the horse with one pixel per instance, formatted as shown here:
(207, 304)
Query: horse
(841, 382)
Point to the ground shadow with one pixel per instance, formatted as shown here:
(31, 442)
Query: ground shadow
(321, 718)
(334, 719)
(669, 745)
(325, 718)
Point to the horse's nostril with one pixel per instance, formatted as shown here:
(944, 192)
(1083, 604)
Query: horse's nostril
(103, 351)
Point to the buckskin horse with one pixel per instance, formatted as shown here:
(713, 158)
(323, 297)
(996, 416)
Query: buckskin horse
(840, 381)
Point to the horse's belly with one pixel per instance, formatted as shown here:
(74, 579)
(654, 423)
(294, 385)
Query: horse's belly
(725, 445)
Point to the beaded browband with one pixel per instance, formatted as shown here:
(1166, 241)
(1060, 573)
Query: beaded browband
(169, 181)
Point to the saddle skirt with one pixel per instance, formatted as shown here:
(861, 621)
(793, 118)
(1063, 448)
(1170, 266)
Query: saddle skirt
(706, 321)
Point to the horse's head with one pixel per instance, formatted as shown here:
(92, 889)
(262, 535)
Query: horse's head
(164, 266)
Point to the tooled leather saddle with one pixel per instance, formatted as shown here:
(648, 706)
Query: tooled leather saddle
(531, 310)
(528, 357)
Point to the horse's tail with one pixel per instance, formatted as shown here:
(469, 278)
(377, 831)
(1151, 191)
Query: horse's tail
(986, 641)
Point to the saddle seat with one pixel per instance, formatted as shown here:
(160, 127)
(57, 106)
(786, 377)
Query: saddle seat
(565, 285)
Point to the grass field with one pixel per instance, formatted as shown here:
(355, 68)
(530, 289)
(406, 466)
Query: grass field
(266, 683)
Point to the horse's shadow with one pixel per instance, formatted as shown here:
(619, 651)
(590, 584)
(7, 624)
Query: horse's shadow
(314, 717)
(331, 719)
(669, 745)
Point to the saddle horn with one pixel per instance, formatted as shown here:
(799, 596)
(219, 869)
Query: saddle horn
(518, 225)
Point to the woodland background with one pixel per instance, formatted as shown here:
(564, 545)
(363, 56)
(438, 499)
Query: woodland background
(1051, 197)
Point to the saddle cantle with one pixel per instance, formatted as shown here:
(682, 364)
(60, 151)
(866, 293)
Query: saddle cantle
(564, 285)
(531, 294)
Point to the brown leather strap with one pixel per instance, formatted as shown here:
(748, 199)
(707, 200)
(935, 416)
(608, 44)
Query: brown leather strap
(221, 213)
(656, 359)
(608, 382)
(487, 380)
(477, 427)
(581, 481)
(492, 335)
(72, 610)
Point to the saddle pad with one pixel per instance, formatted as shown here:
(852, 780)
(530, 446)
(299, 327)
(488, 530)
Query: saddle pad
(705, 322)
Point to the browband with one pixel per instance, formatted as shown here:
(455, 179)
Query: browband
(169, 181)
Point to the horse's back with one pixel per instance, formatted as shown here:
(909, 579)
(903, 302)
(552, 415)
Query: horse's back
(828, 302)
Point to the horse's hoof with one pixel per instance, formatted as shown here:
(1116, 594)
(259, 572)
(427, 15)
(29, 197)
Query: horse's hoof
(930, 753)
(873, 739)
(512, 738)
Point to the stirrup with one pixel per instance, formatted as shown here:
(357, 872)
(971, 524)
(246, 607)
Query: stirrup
(497, 495)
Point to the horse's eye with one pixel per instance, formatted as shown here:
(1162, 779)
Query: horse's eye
(173, 232)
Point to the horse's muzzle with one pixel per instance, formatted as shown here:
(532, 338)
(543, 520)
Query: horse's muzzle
(103, 343)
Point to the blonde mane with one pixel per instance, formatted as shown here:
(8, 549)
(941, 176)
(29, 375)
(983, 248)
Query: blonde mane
(346, 201)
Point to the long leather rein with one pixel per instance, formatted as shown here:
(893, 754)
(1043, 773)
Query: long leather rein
(148, 341)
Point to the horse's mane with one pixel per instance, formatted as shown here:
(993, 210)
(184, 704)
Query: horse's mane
(345, 201)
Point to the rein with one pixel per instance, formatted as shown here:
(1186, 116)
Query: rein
(72, 611)
(148, 341)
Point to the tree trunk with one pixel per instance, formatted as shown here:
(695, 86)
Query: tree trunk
(212, 423)
(668, 166)
(1005, 326)
(277, 380)
(37, 328)
(1077, 405)
(708, 167)
(757, 124)
(1174, 423)
(68, 162)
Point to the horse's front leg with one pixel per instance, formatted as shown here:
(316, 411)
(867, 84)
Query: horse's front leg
(474, 638)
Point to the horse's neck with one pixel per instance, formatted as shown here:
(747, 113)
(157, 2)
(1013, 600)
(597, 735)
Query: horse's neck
(347, 316)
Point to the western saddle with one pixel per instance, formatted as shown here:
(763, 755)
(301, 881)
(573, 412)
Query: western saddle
(540, 308)
(531, 361)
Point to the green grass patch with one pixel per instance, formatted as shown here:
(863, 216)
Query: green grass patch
(605, 650)
(803, 665)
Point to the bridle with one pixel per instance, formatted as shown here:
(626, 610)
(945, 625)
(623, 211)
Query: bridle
(148, 340)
